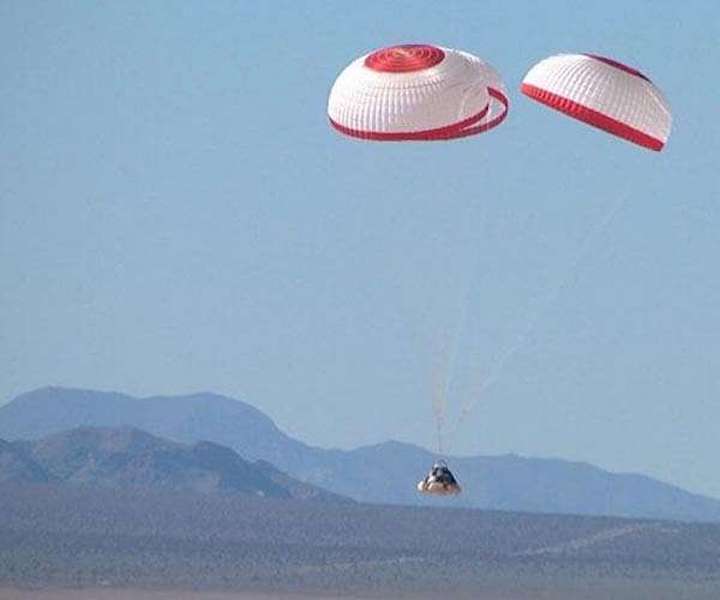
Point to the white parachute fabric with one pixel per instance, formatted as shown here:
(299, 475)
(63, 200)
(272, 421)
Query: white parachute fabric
(603, 93)
(417, 92)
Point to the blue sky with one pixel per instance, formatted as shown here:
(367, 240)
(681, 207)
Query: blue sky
(176, 215)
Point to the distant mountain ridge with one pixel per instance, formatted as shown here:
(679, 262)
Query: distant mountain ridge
(384, 473)
(127, 457)
(228, 422)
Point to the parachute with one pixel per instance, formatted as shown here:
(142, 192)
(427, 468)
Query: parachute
(420, 92)
(417, 92)
(603, 93)
(439, 481)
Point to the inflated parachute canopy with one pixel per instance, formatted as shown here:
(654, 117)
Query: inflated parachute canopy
(603, 93)
(417, 92)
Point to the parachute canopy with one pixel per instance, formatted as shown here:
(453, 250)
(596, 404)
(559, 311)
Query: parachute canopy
(603, 93)
(439, 481)
(417, 92)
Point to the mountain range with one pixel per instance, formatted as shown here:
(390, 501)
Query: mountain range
(385, 473)
(126, 457)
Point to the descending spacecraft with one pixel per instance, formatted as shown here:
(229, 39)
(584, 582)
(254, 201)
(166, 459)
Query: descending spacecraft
(439, 481)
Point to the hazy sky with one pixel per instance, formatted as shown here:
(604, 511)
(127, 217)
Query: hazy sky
(176, 216)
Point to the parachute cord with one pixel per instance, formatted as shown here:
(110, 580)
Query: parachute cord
(439, 400)
(440, 418)
(447, 356)
(440, 445)
(534, 319)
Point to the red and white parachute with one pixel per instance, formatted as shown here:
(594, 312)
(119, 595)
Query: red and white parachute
(421, 92)
(417, 92)
(603, 93)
